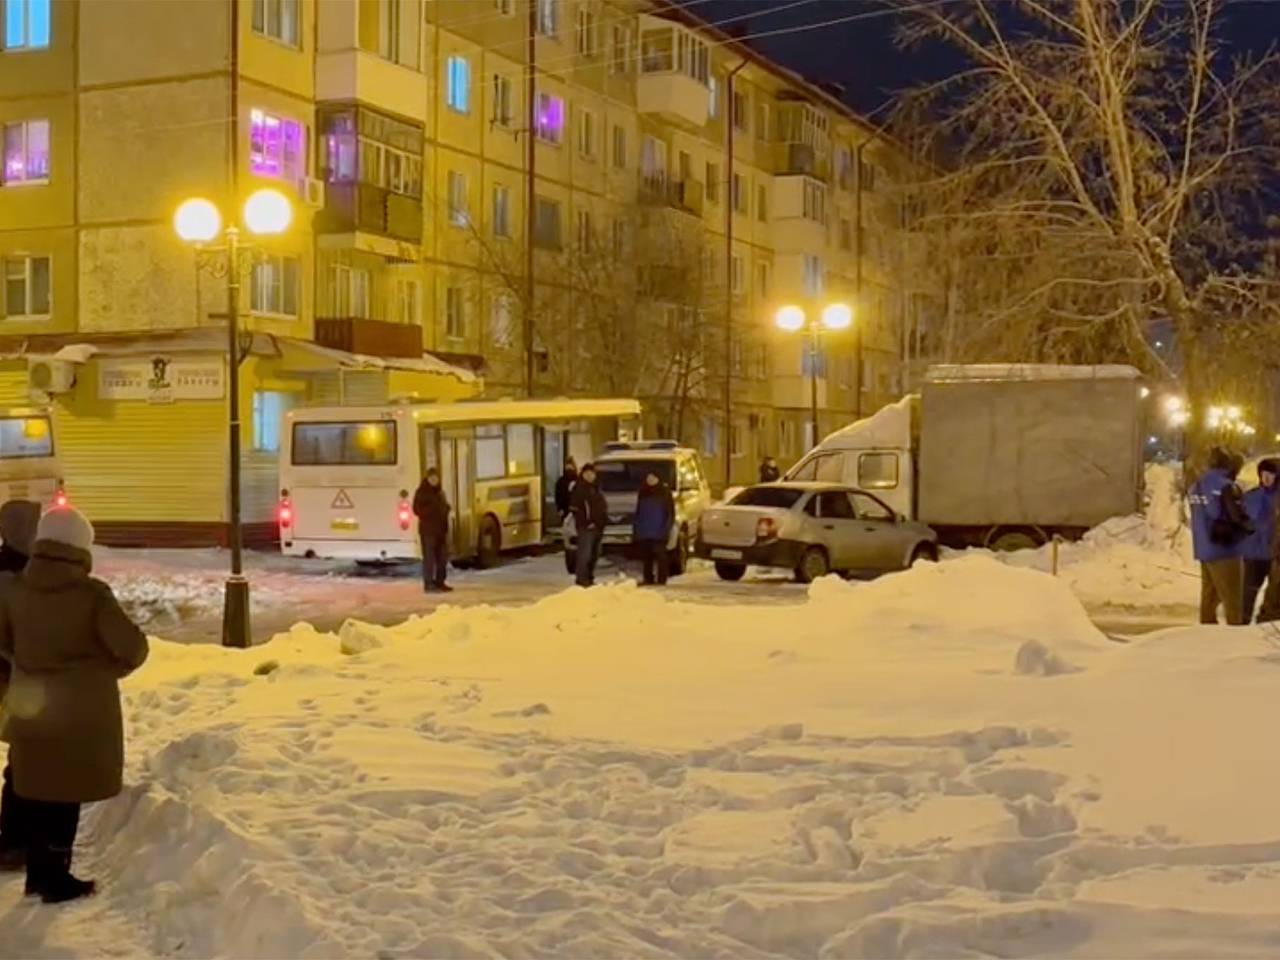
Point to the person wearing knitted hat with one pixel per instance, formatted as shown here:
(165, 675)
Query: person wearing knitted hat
(68, 642)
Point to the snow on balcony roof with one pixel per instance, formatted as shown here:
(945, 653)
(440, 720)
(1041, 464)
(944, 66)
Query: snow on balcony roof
(951, 372)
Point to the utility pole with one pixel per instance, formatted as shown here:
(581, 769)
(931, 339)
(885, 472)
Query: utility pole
(728, 273)
(857, 283)
(530, 201)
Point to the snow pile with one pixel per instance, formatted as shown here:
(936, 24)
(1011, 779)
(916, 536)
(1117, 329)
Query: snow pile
(946, 762)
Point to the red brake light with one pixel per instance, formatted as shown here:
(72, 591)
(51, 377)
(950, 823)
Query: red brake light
(405, 515)
(284, 514)
(766, 528)
(60, 500)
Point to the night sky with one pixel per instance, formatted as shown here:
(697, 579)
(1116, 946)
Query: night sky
(863, 56)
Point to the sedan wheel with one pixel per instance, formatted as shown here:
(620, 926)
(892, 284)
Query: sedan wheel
(925, 553)
(813, 564)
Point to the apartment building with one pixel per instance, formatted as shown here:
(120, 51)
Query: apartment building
(403, 131)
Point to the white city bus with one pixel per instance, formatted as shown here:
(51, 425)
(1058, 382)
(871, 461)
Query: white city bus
(29, 466)
(348, 474)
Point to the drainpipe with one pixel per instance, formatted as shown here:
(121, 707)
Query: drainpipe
(728, 275)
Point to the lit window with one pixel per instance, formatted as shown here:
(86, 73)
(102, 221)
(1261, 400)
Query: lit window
(455, 318)
(277, 147)
(458, 84)
(269, 408)
(501, 211)
(26, 286)
(550, 119)
(26, 24)
(459, 215)
(26, 151)
(277, 19)
(274, 288)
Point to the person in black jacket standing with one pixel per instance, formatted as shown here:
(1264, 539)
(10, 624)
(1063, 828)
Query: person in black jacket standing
(590, 516)
(564, 487)
(431, 507)
(769, 471)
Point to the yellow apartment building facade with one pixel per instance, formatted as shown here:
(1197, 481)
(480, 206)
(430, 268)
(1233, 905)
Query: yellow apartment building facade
(403, 129)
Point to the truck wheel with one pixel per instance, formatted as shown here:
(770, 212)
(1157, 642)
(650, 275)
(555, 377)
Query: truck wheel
(924, 553)
(813, 564)
(570, 561)
(1011, 539)
(489, 543)
(678, 562)
(730, 571)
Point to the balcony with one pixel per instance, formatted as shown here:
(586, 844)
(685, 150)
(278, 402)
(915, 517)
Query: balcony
(357, 75)
(364, 208)
(686, 196)
(674, 74)
(800, 159)
(374, 338)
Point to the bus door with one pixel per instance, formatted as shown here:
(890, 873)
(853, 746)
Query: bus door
(553, 454)
(459, 487)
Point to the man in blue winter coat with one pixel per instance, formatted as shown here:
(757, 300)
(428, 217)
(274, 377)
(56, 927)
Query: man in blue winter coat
(1260, 506)
(1219, 527)
(651, 529)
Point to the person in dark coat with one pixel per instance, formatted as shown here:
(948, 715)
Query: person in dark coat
(1219, 526)
(68, 643)
(18, 519)
(769, 471)
(590, 517)
(564, 487)
(431, 507)
(651, 528)
(1260, 507)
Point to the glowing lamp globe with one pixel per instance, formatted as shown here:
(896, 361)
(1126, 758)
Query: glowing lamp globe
(267, 211)
(837, 316)
(197, 221)
(790, 318)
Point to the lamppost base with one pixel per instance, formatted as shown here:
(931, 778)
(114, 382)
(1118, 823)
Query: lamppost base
(235, 614)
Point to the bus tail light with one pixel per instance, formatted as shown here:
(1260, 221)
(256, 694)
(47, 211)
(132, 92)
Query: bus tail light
(284, 513)
(60, 500)
(405, 515)
(766, 529)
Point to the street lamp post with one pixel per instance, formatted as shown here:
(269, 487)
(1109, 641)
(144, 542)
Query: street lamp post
(198, 222)
(793, 319)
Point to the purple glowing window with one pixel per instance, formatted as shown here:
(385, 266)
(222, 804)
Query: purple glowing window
(277, 147)
(26, 151)
(550, 118)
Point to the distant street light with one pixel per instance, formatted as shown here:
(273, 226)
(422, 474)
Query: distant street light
(198, 221)
(792, 318)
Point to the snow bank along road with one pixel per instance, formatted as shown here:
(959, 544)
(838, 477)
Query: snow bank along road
(948, 762)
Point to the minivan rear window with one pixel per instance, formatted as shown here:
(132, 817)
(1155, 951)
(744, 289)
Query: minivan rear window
(348, 444)
(625, 476)
(783, 498)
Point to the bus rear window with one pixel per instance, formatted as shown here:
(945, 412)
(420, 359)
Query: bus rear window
(25, 437)
(351, 444)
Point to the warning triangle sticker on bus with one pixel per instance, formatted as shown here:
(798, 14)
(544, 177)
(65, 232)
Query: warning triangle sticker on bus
(342, 501)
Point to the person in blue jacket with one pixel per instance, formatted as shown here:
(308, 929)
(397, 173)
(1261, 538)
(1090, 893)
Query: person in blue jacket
(1260, 506)
(651, 529)
(1219, 527)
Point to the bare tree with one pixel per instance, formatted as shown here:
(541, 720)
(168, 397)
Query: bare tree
(1100, 170)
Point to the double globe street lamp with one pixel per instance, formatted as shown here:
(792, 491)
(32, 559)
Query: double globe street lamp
(793, 319)
(199, 222)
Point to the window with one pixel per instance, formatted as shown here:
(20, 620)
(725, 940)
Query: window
(389, 30)
(713, 97)
(520, 456)
(815, 201)
(277, 147)
(812, 275)
(781, 498)
(739, 111)
(846, 235)
(826, 467)
(500, 325)
(653, 160)
(458, 213)
(878, 471)
(869, 508)
(762, 280)
(407, 302)
(620, 147)
(348, 291)
(455, 316)
(586, 32)
(737, 272)
(619, 238)
(26, 152)
(710, 436)
(458, 84)
(587, 134)
(844, 168)
(26, 24)
(762, 202)
(269, 408)
(786, 436)
(546, 224)
(274, 287)
(501, 211)
(620, 52)
(866, 175)
(739, 192)
(26, 286)
(835, 505)
(502, 114)
(491, 452)
(550, 128)
(762, 119)
(549, 17)
(349, 444)
(736, 437)
(505, 7)
(712, 182)
(584, 230)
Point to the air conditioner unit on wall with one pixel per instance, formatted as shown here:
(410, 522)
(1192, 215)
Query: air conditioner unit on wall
(46, 376)
(313, 192)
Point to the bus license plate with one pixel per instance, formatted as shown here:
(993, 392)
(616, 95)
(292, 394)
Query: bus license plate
(726, 554)
(344, 523)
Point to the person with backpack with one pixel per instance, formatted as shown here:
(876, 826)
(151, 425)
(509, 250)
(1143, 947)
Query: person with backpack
(1219, 527)
(1260, 505)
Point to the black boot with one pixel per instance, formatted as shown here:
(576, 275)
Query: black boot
(57, 885)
